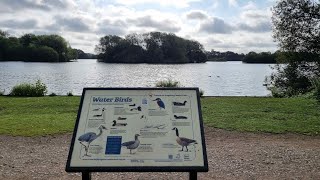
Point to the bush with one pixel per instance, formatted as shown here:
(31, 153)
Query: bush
(168, 83)
(69, 93)
(316, 88)
(53, 94)
(29, 90)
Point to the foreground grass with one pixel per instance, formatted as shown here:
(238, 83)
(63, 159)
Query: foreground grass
(54, 115)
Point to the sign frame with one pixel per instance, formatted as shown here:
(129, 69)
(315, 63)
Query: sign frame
(203, 168)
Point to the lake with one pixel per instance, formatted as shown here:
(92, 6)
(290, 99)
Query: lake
(215, 78)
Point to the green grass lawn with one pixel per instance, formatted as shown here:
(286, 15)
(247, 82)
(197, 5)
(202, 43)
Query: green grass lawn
(53, 115)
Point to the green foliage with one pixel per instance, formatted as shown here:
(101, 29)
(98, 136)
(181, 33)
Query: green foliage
(168, 83)
(263, 57)
(296, 27)
(153, 47)
(29, 90)
(316, 88)
(30, 47)
(69, 93)
(52, 94)
(224, 56)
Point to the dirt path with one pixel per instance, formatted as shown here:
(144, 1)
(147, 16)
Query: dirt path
(231, 155)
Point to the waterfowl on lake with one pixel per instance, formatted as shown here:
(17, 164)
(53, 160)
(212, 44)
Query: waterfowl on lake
(182, 141)
(132, 144)
(180, 117)
(118, 124)
(160, 103)
(179, 103)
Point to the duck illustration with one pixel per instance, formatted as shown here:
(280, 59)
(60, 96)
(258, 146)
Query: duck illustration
(132, 144)
(182, 141)
(118, 124)
(160, 103)
(99, 115)
(132, 104)
(137, 108)
(89, 137)
(179, 103)
(180, 117)
(121, 118)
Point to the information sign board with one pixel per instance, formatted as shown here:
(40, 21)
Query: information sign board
(138, 129)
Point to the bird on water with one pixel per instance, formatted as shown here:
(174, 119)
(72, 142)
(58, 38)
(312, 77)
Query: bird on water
(160, 103)
(89, 137)
(182, 141)
(132, 144)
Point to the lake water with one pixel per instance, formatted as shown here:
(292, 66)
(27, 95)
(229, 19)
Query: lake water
(215, 78)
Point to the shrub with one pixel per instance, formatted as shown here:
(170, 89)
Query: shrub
(201, 92)
(168, 83)
(53, 94)
(69, 93)
(316, 88)
(29, 90)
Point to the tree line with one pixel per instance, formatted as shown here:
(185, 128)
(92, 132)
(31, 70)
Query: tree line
(251, 57)
(152, 47)
(35, 48)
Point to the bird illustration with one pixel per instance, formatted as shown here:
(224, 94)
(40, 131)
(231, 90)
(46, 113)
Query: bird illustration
(160, 103)
(132, 144)
(121, 118)
(179, 103)
(179, 117)
(132, 104)
(99, 115)
(182, 141)
(89, 137)
(137, 108)
(118, 124)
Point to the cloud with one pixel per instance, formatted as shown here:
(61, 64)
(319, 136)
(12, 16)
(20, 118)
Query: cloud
(16, 5)
(108, 27)
(170, 3)
(259, 27)
(215, 25)
(75, 24)
(18, 24)
(233, 3)
(160, 25)
(197, 14)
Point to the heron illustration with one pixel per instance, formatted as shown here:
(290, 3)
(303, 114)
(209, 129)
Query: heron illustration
(182, 141)
(132, 144)
(160, 103)
(89, 137)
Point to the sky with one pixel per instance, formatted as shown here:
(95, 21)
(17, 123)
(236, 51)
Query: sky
(223, 25)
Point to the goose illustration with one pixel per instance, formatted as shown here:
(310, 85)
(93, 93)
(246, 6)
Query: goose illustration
(179, 117)
(99, 115)
(132, 144)
(118, 124)
(121, 118)
(179, 103)
(89, 137)
(182, 141)
(160, 103)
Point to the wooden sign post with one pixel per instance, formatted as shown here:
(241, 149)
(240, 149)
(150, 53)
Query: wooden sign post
(138, 130)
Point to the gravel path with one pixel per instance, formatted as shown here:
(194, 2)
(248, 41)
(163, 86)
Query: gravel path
(231, 155)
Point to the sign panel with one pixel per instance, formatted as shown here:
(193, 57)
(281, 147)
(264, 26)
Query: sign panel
(138, 129)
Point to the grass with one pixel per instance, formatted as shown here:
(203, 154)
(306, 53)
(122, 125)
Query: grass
(39, 116)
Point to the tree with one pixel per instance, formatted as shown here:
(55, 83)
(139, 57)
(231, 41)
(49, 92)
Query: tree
(296, 27)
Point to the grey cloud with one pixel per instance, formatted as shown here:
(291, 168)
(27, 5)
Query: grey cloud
(197, 15)
(16, 5)
(61, 4)
(163, 25)
(215, 26)
(117, 27)
(263, 26)
(72, 24)
(27, 24)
